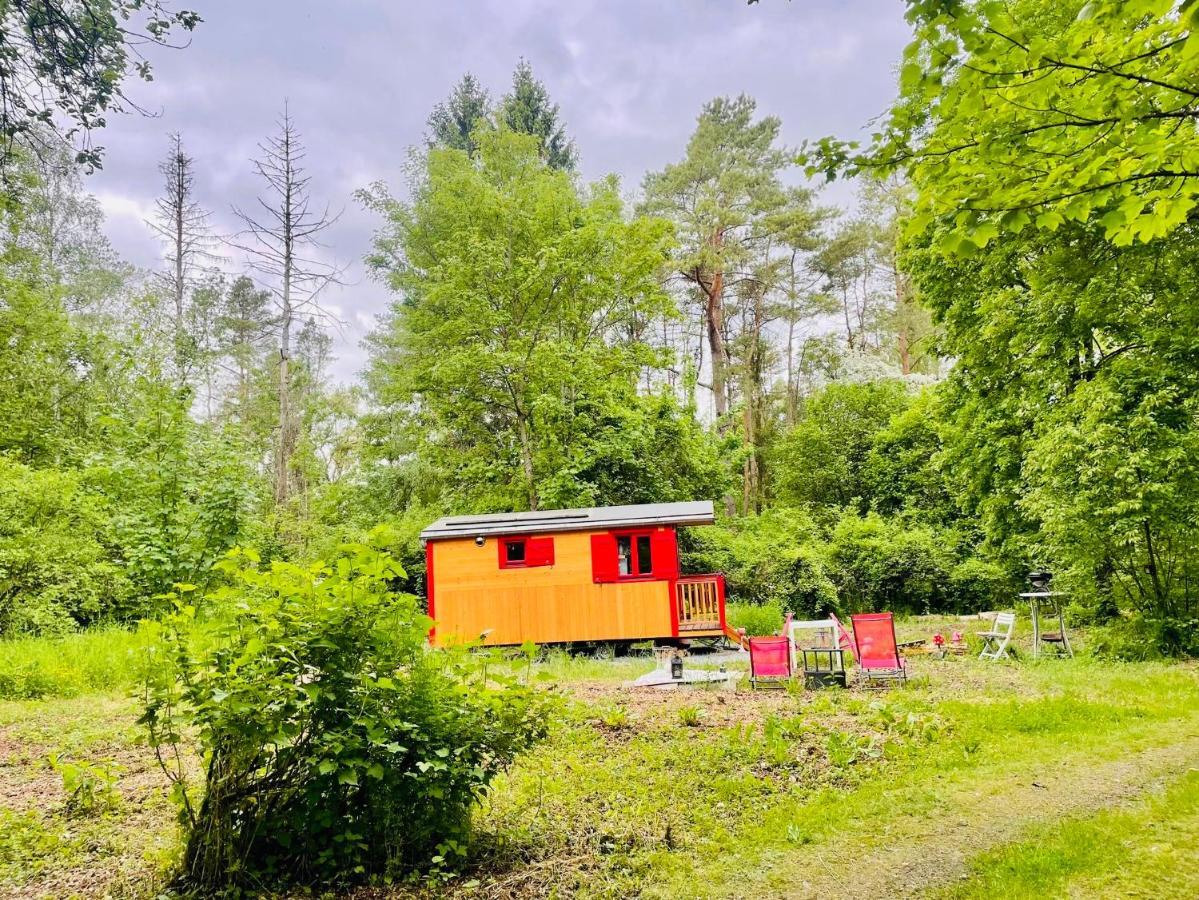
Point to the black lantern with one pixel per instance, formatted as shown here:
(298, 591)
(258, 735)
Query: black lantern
(676, 667)
(1039, 581)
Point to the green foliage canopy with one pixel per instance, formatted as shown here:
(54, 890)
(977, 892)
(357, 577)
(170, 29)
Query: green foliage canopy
(513, 354)
(822, 460)
(1071, 412)
(71, 58)
(1031, 113)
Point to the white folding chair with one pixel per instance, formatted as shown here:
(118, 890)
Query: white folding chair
(995, 641)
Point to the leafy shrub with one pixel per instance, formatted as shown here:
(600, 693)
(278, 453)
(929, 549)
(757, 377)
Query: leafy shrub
(337, 745)
(1137, 637)
(179, 491)
(56, 571)
(892, 564)
(91, 788)
(976, 585)
(880, 564)
(773, 558)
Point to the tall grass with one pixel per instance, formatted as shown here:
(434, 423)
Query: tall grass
(755, 618)
(100, 660)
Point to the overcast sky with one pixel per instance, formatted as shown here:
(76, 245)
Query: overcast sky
(362, 75)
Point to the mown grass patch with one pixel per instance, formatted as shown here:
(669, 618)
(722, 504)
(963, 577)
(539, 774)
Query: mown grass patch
(660, 803)
(1145, 850)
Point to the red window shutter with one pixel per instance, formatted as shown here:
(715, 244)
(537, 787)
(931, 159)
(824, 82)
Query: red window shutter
(539, 551)
(665, 549)
(604, 566)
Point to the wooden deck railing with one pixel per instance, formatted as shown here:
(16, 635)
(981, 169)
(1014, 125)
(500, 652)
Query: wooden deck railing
(698, 598)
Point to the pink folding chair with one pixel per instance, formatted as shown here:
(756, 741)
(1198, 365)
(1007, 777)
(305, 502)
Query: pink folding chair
(877, 649)
(846, 639)
(769, 661)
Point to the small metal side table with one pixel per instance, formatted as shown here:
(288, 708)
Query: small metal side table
(823, 667)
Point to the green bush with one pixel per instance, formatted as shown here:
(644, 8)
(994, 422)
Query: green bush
(976, 585)
(1137, 638)
(338, 747)
(893, 564)
(773, 558)
(56, 571)
(881, 564)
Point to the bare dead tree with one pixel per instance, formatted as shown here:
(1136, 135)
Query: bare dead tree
(281, 237)
(182, 224)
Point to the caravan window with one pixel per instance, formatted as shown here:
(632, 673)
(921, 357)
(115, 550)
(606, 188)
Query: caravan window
(645, 559)
(633, 555)
(526, 552)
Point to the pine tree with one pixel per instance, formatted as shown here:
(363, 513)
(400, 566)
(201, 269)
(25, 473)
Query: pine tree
(243, 329)
(529, 110)
(453, 121)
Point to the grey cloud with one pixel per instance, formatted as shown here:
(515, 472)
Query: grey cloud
(362, 75)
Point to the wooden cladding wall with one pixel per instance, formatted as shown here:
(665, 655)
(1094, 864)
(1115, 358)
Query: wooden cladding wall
(544, 604)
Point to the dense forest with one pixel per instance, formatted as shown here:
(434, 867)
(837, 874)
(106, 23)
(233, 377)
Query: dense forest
(885, 420)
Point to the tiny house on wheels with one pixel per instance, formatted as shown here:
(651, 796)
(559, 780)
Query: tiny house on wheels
(566, 575)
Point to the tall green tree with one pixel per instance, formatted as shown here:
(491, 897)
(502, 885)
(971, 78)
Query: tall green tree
(1073, 405)
(517, 295)
(528, 109)
(716, 196)
(454, 120)
(823, 460)
(243, 326)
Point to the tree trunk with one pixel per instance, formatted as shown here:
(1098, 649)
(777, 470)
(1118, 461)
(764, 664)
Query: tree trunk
(180, 201)
(526, 458)
(283, 461)
(715, 317)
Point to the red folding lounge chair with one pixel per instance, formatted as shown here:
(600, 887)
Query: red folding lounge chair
(769, 661)
(846, 639)
(877, 649)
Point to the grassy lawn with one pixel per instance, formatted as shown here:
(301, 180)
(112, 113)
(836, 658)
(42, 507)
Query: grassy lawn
(1053, 778)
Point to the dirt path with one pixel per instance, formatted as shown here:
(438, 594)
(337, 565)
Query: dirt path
(912, 855)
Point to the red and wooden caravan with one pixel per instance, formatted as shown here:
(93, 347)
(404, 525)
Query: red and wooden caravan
(553, 576)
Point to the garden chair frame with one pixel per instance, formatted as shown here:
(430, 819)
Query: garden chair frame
(770, 661)
(996, 640)
(876, 648)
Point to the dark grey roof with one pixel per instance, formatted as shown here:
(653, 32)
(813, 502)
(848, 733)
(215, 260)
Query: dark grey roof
(550, 520)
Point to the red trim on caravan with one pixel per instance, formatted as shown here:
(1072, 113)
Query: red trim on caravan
(720, 595)
(429, 587)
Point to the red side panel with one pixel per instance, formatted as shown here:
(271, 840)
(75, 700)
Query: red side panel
(673, 587)
(539, 551)
(604, 565)
(429, 585)
(665, 549)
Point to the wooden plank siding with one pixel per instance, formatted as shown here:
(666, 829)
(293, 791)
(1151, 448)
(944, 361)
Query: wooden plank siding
(543, 604)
